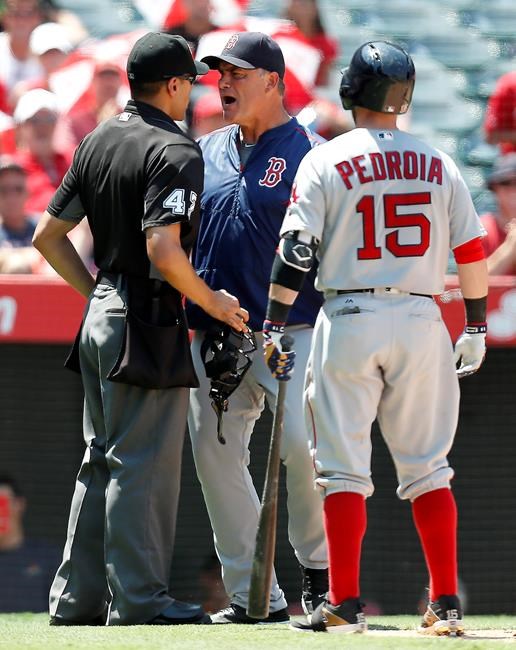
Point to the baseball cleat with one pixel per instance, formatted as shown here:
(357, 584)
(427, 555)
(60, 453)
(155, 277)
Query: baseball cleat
(443, 617)
(344, 618)
(236, 614)
(314, 589)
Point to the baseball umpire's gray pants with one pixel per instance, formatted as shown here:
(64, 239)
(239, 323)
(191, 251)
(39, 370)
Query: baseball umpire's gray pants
(231, 499)
(123, 514)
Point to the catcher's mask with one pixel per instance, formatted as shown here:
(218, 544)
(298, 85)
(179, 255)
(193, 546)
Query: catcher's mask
(226, 355)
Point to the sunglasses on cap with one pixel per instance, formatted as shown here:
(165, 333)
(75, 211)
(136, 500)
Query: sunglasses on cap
(188, 77)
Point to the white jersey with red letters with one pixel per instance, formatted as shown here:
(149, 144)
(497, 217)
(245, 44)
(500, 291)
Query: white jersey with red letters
(386, 209)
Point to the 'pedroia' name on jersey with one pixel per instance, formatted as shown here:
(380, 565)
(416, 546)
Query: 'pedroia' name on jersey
(400, 165)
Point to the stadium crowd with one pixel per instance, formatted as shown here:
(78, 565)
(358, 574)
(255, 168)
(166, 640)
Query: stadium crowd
(58, 81)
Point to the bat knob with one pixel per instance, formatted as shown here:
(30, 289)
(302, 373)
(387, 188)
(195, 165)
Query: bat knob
(287, 343)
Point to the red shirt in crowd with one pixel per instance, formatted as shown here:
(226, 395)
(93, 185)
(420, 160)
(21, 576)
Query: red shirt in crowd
(327, 47)
(495, 235)
(501, 109)
(42, 183)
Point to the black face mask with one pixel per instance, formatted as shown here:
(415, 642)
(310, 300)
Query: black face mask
(226, 355)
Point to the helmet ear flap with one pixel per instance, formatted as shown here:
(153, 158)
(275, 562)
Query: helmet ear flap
(347, 89)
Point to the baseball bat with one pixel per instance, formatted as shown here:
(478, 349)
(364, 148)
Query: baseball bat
(263, 560)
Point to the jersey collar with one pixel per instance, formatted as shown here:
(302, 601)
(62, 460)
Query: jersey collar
(150, 112)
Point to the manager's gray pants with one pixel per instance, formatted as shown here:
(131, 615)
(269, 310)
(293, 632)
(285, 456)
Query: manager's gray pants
(223, 470)
(123, 514)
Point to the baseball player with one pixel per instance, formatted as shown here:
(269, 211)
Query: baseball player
(138, 178)
(249, 169)
(381, 209)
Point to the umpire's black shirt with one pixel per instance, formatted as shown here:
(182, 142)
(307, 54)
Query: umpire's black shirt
(134, 171)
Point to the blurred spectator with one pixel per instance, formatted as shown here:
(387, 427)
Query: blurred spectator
(325, 118)
(6, 123)
(213, 593)
(105, 86)
(75, 30)
(36, 116)
(19, 18)
(17, 254)
(306, 16)
(27, 566)
(500, 239)
(191, 19)
(500, 120)
(49, 43)
(4, 106)
(207, 114)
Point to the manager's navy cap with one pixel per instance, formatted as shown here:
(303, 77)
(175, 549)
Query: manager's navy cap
(159, 55)
(250, 50)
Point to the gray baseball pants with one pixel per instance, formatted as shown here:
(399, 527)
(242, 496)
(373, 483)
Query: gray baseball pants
(231, 499)
(122, 519)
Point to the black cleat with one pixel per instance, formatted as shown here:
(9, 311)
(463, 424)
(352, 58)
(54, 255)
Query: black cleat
(344, 618)
(236, 614)
(443, 617)
(314, 589)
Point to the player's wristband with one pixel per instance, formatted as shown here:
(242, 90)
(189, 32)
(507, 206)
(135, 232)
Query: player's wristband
(277, 312)
(476, 309)
(273, 326)
(476, 328)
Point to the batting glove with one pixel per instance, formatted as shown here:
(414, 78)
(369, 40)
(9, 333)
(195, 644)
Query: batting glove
(470, 350)
(279, 362)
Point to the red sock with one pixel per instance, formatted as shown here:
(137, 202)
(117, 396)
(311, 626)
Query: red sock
(435, 516)
(345, 522)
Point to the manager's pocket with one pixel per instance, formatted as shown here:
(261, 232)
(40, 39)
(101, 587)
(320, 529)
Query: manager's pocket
(154, 356)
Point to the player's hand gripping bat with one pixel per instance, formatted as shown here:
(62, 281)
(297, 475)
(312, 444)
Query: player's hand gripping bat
(261, 575)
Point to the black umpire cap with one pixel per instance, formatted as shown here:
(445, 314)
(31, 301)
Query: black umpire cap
(158, 55)
(250, 50)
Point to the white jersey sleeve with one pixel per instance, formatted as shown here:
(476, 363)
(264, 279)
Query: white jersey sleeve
(465, 224)
(307, 208)
(386, 208)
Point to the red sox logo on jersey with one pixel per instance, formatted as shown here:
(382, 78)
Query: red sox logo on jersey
(274, 172)
(294, 196)
(232, 42)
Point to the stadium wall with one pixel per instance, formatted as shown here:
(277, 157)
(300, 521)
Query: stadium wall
(41, 444)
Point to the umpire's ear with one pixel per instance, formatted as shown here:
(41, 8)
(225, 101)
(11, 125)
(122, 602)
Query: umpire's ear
(172, 85)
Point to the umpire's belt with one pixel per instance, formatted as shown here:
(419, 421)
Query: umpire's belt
(383, 291)
(122, 280)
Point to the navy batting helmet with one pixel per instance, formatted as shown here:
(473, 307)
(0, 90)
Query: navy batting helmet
(380, 77)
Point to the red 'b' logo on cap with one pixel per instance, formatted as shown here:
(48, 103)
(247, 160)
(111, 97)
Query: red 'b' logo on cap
(232, 42)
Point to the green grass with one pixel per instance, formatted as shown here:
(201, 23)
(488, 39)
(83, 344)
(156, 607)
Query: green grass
(32, 632)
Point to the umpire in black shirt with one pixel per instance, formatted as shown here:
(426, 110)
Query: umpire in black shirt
(138, 178)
